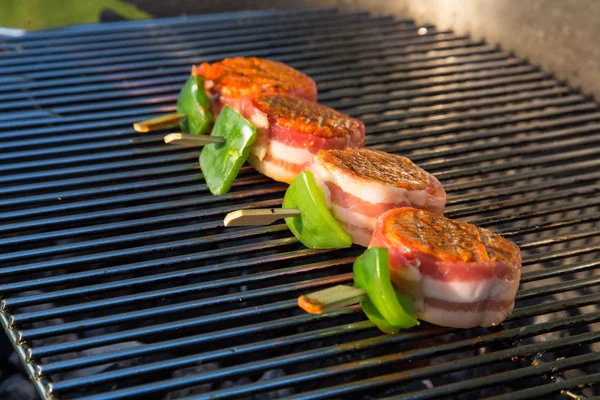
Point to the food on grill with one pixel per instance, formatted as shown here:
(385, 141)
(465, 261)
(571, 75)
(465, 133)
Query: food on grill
(278, 100)
(458, 274)
(363, 184)
(221, 162)
(292, 130)
(389, 309)
(314, 226)
(455, 273)
(193, 111)
(355, 186)
(233, 80)
(305, 212)
(195, 105)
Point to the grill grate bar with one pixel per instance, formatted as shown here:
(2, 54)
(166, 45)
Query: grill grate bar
(470, 210)
(188, 273)
(554, 387)
(269, 30)
(558, 288)
(296, 39)
(40, 352)
(551, 367)
(557, 271)
(150, 140)
(111, 118)
(472, 362)
(134, 210)
(181, 156)
(324, 372)
(181, 290)
(127, 224)
(75, 34)
(180, 58)
(439, 69)
(32, 334)
(216, 354)
(471, 126)
(214, 239)
(311, 354)
(111, 237)
(136, 78)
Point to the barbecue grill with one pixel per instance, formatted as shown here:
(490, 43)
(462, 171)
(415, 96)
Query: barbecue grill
(118, 279)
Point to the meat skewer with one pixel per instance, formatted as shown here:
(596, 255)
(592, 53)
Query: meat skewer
(234, 80)
(363, 184)
(282, 128)
(455, 273)
(229, 82)
(291, 130)
(279, 103)
(356, 186)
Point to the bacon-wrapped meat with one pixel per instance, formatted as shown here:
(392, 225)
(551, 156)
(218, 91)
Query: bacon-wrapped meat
(363, 184)
(459, 275)
(291, 130)
(232, 80)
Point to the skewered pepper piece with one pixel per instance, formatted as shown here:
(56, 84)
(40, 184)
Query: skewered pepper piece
(221, 162)
(389, 310)
(195, 104)
(314, 226)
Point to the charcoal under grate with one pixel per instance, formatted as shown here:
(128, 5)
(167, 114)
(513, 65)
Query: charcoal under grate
(118, 279)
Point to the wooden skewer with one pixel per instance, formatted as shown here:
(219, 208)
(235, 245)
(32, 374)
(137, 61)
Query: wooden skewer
(331, 299)
(154, 124)
(192, 140)
(261, 216)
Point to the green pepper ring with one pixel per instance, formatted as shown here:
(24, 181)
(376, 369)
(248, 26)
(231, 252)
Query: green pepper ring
(195, 104)
(315, 227)
(371, 273)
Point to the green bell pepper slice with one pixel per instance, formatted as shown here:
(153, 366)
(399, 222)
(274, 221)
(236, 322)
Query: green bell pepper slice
(315, 227)
(195, 104)
(221, 162)
(386, 308)
(376, 318)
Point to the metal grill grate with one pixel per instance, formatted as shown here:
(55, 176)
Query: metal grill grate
(119, 280)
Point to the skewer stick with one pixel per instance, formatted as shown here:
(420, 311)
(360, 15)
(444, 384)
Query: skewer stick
(331, 299)
(154, 124)
(195, 140)
(261, 216)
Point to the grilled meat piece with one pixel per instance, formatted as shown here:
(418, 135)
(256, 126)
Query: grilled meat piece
(458, 274)
(363, 184)
(291, 130)
(231, 80)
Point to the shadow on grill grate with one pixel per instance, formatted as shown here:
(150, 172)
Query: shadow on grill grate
(118, 279)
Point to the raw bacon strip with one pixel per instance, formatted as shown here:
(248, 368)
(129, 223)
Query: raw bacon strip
(291, 130)
(232, 80)
(363, 184)
(459, 275)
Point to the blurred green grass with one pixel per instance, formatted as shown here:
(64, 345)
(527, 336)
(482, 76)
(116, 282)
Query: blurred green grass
(44, 14)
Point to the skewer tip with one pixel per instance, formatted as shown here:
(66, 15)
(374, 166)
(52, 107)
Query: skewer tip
(172, 137)
(310, 306)
(330, 299)
(232, 217)
(140, 127)
(154, 124)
